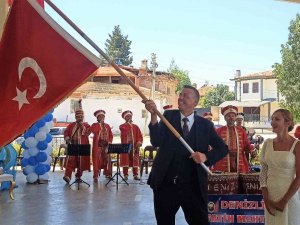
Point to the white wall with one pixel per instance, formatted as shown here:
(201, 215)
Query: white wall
(270, 89)
(111, 106)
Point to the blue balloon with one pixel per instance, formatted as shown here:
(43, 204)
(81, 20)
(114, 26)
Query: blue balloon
(40, 169)
(47, 167)
(48, 117)
(41, 157)
(26, 135)
(24, 162)
(32, 161)
(23, 145)
(40, 123)
(48, 138)
(42, 145)
(33, 130)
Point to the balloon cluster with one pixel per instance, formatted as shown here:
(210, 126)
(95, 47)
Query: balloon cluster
(37, 150)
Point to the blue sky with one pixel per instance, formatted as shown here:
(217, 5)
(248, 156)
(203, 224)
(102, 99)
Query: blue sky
(210, 39)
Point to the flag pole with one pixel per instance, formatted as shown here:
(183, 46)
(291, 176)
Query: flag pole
(118, 69)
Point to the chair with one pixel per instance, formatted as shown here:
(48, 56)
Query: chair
(10, 178)
(148, 158)
(61, 157)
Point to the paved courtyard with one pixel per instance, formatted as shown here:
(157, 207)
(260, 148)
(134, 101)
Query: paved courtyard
(57, 203)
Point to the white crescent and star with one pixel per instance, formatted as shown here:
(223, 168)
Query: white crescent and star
(28, 62)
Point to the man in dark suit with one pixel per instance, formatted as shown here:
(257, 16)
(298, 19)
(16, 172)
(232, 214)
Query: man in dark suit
(177, 178)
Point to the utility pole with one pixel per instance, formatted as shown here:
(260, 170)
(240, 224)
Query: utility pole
(153, 66)
(152, 97)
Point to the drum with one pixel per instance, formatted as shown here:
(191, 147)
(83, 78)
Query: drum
(224, 183)
(250, 183)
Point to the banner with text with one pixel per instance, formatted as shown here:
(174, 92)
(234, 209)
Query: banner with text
(235, 209)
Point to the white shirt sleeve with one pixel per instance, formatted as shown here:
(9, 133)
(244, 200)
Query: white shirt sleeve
(264, 166)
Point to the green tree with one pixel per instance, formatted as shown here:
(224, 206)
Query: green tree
(181, 75)
(288, 71)
(117, 47)
(216, 96)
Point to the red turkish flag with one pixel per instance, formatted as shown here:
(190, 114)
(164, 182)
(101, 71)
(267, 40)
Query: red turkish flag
(40, 63)
(41, 2)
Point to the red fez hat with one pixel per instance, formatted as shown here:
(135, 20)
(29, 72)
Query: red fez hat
(240, 115)
(99, 112)
(125, 113)
(167, 107)
(229, 109)
(207, 115)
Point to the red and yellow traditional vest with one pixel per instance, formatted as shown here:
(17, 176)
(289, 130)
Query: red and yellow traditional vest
(238, 143)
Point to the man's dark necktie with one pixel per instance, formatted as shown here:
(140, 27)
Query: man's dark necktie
(185, 127)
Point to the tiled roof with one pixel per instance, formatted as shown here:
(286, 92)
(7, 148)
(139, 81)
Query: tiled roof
(204, 89)
(110, 71)
(130, 72)
(266, 75)
(97, 89)
(296, 1)
(149, 72)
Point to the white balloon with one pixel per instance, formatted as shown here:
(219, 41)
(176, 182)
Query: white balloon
(26, 154)
(29, 169)
(33, 151)
(45, 176)
(40, 136)
(48, 150)
(45, 129)
(32, 177)
(31, 142)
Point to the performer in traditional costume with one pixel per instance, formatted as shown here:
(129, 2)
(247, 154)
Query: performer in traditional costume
(236, 139)
(102, 137)
(297, 132)
(130, 134)
(77, 133)
(239, 120)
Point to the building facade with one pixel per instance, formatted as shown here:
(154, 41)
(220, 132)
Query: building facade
(257, 96)
(107, 90)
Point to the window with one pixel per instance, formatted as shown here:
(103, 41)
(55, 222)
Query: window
(255, 87)
(245, 88)
(251, 114)
(101, 79)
